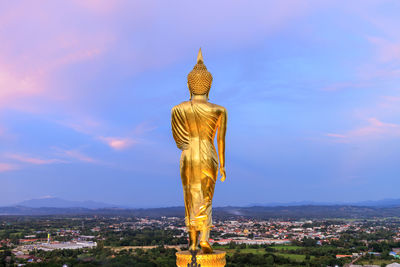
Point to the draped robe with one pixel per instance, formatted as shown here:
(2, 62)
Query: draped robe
(194, 125)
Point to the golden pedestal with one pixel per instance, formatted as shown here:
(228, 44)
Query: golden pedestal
(215, 259)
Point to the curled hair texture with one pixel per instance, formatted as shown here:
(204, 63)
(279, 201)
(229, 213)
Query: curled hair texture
(199, 79)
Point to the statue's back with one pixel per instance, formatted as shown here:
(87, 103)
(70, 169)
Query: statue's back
(194, 126)
(201, 120)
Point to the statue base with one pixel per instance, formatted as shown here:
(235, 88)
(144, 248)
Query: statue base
(215, 259)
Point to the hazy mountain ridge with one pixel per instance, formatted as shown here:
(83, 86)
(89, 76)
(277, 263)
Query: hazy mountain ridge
(389, 202)
(54, 202)
(281, 212)
(57, 206)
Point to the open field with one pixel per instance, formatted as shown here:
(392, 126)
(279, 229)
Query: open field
(230, 252)
(288, 247)
(261, 251)
(376, 262)
(296, 257)
(118, 249)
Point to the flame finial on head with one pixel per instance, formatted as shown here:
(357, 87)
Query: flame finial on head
(199, 79)
(200, 56)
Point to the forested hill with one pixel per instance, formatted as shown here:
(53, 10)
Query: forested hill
(259, 212)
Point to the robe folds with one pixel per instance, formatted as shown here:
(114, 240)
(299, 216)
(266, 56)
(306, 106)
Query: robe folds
(194, 125)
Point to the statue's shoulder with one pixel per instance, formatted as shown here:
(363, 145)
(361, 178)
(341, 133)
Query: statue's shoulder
(180, 106)
(219, 108)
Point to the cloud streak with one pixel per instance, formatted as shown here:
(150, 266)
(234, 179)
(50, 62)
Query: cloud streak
(92, 127)
(4, 167)
(387, 51)
(77, 155)
(373, 130)
(34, 160)
(29, 62)
(118, 143)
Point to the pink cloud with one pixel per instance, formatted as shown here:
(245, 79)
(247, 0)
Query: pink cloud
(143, 128)
(336, 135)
(91, 128)
(387, 50)
(388, 104)
(118, 143)
(34, 60)
(75, 154)
(100, 7)
(31, 58)
(86, 126)
(4, 167)
(392, 98)
(18, 84)
(32, 160)
(374, 129)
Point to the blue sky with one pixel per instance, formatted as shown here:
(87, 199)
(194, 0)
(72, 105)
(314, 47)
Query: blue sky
(312, 90)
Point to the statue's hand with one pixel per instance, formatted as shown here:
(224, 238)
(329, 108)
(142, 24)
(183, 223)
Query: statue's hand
(223, 173)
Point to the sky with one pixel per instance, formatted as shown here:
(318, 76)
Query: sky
(312, 90)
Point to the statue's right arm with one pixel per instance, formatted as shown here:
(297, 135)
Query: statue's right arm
(221, 143)
(179, 131)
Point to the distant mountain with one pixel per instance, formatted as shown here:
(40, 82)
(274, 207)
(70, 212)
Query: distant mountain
(294, 210)
(258, 212)
(54, 202)
(389, 202)
(153, 213)
(27, 211)
(368, 203)
(291, 204)
(309, 212)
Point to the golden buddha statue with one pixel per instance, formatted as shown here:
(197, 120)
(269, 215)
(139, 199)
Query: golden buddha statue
(194, 126)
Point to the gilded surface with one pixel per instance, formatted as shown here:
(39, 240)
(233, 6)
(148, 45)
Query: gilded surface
(216, 259)
(195, 124)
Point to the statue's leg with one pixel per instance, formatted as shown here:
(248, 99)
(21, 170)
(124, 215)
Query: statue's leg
(208, 185)
(193, 237)
(204, 238)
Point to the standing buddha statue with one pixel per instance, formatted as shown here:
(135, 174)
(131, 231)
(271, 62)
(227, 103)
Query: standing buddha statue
(194, 126)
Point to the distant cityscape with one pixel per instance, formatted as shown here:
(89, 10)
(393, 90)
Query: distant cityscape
(97, 239)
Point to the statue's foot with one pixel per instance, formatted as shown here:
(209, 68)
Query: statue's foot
(193, 247)
(206, 247)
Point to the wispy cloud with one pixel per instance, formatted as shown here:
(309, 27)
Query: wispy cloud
(19, 85)
(86, 126)
(46, 197)
(335, 135)
(389, 104)
(392, 98)
(144, 128)
(374, 129)
(4, 167)
(117, 143)
(28, 65)
(78, 155)
(33, 160)
(387, 50)
(98, 7)
(92, 127)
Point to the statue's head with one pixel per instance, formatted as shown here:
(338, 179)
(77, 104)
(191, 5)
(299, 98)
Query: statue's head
(199, 79)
